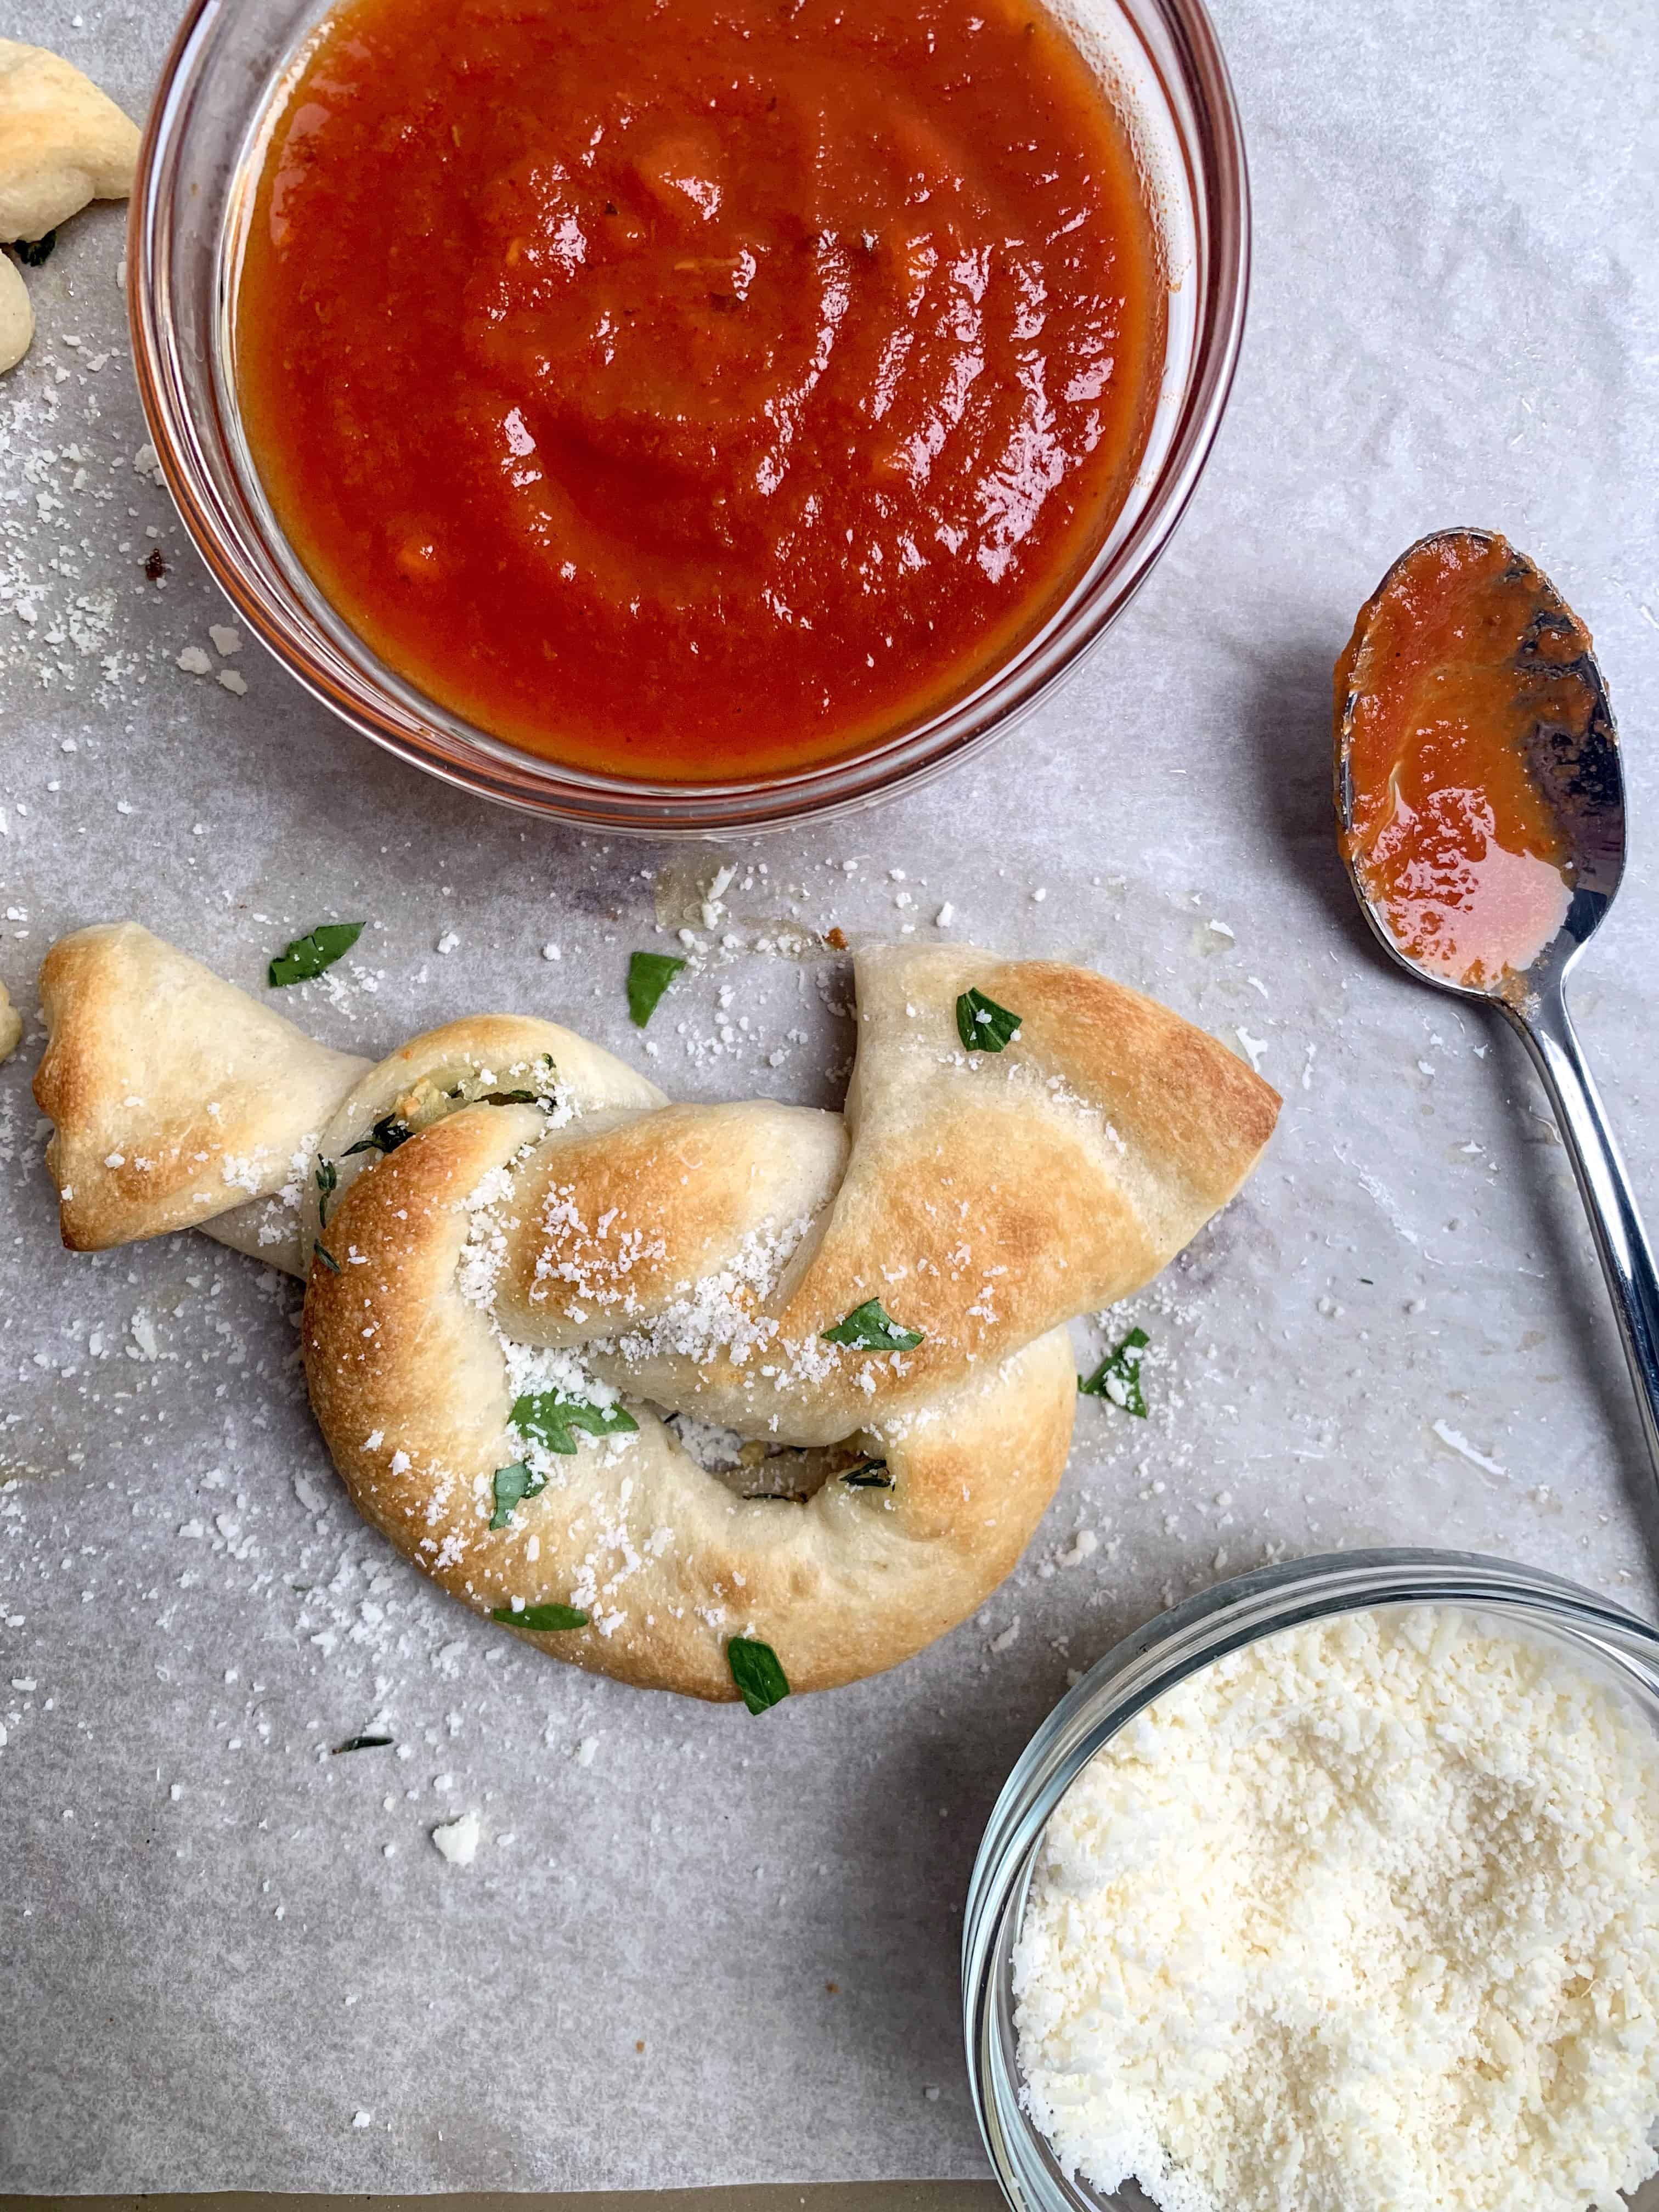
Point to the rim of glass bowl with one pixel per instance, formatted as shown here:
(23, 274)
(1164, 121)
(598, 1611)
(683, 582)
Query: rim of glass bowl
(217, 492)
(1148, 1665)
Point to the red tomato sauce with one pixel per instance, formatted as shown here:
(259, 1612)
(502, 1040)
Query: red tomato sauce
(683, 391)
(1445, 680)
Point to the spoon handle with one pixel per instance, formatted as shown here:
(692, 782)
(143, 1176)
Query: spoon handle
(1622, 1243)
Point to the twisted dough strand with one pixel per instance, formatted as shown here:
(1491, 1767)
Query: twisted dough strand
(513, 1211)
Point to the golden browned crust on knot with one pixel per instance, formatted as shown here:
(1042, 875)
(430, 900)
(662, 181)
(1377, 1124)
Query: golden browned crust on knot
(503, 1196)
(1176, 1092)
(175, 1096)
(407, 1383)
(618, 1218)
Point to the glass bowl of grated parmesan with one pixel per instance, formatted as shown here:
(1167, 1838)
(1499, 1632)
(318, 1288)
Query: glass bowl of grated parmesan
(1338, 1886)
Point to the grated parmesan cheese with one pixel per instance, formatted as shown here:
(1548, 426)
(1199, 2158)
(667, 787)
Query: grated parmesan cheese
(457, 1840)
(1364, 1917)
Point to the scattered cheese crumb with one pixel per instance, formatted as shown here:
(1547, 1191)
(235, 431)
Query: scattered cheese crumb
(1459, 1442)
(457, 1840)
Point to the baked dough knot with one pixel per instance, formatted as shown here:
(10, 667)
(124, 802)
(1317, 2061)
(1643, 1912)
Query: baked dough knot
(556, 1325)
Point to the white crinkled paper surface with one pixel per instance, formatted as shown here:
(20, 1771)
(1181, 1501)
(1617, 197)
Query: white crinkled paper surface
(227, 1942)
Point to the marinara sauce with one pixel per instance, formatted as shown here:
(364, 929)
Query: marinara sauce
(688, 391)
(1461, 666)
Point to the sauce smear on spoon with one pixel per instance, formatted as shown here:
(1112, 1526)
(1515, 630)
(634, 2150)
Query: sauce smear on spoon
(1464, 679)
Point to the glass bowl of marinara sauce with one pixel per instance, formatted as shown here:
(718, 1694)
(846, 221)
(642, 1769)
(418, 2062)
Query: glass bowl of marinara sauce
(671, 418)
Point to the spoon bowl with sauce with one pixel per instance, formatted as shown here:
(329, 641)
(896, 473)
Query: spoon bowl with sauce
(1481, 812)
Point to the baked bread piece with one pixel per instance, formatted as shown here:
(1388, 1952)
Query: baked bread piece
(526, 1266)
(61, 142)
(175, 1098)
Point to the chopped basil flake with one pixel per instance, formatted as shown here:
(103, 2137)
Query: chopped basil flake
(361, 1743)
(307, 956)
(868, 1328)
(649, 974)
(543, 1619)
(321, 1252)
(513, 1485)
(390, 1130)
(1118, 1375)
(868, 1474)
(756, 1671)
(550, 1420)
(327, 1183)
(33, 252)
(983, 1025)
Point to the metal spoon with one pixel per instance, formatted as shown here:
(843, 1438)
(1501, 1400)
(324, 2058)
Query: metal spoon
(1558, 721)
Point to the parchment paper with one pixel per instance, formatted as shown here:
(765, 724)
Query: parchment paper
(694, 1947)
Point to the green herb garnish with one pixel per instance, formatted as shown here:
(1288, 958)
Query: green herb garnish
(392, 1130)
(361, 1743)
(320, 1251)
(327, 1183)
(388, 1132)
(869, 1327)
(549, 1418)
(868, 1474)
(544, 1619)
(34, 251)
(513, 1486)
(983, 1025)
(756, 1671)
(547, 1095)
(649, 974)
(1118, 1375)
(307, 956)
